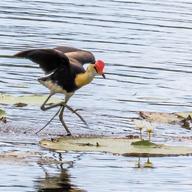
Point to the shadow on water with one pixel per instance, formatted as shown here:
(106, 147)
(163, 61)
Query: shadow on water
(57, 182)
(61, 181)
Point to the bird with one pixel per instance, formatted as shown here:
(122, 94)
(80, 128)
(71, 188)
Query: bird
(64, 73)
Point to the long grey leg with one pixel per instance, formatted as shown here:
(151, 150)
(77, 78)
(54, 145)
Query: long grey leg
(43, 108)
(62, 106)
(53, 106)
(60, 112)
(75, 112)
(62, 121)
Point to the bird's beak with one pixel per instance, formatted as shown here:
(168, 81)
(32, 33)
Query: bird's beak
(100, 73)
(103, 75)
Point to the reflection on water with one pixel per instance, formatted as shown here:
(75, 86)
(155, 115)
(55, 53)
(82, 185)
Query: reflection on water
(62, 182)
(59, 182)
(146, 164)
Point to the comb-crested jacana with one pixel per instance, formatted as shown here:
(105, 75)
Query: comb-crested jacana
(65, 74)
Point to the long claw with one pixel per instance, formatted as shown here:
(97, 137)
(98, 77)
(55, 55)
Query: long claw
(49, 121)
(75, 111)
(78, 110)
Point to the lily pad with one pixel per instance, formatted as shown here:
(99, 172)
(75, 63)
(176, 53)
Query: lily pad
(142, 143)
(3, 116)
(161, 117)
(27, 100)
(121, 146)
(20, 104)
(2, 113)
(182, 118)
(184, 114)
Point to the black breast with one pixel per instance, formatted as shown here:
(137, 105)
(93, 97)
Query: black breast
(64, 77)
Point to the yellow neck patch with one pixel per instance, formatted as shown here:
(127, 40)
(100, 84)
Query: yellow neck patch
(82, 79)
(85, 78)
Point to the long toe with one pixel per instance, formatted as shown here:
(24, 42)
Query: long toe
(78, 110)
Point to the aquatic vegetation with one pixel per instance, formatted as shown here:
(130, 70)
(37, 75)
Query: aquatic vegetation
(3, 117)
(20, 104)
(158, 117)
(186, 122)
(146, 164)
(149, 131)
(2, 113)
(141, 125)
(27, 99)
(121, 146)
(146, 143)
(182, 118)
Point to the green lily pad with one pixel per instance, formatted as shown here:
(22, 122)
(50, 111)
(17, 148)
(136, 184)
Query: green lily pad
(20, 104)
(27, 100)
(121, 146)
(2, 113)
(142, 143)
(3, 117)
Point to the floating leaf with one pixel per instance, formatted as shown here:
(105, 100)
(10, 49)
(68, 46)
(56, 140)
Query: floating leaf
(120, 146)
(184, 115)
(160, 117)
(28, 99)
(20, 104)
(2, 113)
(182, 118)
(3, 116)
(142, 143)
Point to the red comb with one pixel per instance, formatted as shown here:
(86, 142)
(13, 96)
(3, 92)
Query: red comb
(99, 65)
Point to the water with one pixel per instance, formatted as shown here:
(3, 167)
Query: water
(147, 49)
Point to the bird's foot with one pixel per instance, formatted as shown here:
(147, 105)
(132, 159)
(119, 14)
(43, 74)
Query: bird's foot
(75, 110)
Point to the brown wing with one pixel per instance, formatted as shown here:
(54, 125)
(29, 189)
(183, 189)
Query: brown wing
(77, 56)
(48, 59)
